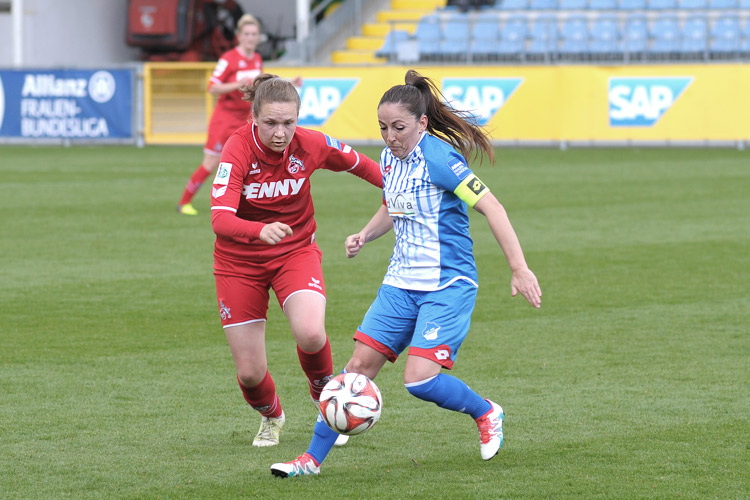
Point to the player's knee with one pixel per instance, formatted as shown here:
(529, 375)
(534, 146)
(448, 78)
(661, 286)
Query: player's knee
(251, 376)
(422, 389)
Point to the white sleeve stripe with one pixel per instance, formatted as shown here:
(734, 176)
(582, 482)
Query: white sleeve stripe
(225, 208)
(355, 165)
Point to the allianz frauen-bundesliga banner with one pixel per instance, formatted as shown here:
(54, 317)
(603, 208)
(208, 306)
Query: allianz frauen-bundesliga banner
(66, 104)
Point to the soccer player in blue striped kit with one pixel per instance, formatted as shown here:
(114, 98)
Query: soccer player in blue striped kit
(429, 290)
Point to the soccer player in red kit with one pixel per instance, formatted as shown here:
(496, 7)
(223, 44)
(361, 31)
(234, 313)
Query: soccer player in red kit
(262, 214)
(235, 69)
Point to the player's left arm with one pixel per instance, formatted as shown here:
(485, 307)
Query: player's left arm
(523, 279)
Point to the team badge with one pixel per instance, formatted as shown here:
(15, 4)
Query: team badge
(224, 311)
(295, 165)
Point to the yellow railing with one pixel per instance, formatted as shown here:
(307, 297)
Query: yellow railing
(176, 105)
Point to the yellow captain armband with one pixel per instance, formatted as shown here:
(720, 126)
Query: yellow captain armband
(471, 190)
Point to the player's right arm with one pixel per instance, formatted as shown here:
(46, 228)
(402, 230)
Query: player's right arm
(379, 225)
(226, 193)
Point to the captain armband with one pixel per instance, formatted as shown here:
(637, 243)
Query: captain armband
(471, 190)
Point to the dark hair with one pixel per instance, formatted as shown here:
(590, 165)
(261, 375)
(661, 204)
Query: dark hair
(269, 88)
(420, 96)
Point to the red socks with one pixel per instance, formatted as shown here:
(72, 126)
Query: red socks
(318, 366)
(262, 397)
(200, 175)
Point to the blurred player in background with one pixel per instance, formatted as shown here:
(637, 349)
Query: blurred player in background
(263, 217)
(429, 290)
(235, 69)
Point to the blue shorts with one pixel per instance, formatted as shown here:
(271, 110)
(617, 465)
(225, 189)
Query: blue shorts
(433, 324)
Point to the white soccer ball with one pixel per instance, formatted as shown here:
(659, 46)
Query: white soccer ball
(350, 403)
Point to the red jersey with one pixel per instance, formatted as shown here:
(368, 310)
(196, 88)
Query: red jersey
(255, 186)
(233, 66)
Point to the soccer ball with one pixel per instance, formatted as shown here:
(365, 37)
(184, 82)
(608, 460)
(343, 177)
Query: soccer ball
(350, 403)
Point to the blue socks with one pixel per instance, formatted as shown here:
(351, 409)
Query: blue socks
(450, 393)
(322, 440)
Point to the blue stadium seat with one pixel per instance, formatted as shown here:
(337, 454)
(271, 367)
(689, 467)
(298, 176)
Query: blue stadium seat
(665, 33)
(543, 34)
(662, 4)
(604, 36)
(693, 4)
(631, 4)
(726, 36)
(485, 35)
(512, 4)
(573, 4)
(744, 4)
(455, 36)
(602, 4)
(635, 36)
(542, 4)
(574, 37)
(723, 4)
(694, 35)
(390, 44)
(428, 34)
(513, 36)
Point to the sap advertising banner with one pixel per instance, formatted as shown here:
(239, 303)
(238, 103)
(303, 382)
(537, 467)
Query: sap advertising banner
(66, 104)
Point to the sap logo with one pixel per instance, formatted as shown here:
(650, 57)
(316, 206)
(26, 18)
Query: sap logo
(641, 102)
(321, 97)
(482, 97)
(273, 189)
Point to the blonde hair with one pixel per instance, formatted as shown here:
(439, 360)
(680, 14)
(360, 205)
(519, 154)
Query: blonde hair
(270, 88)
(245, 20)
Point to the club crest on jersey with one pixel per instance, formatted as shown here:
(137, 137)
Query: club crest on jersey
(295, 165)
(224, 311)
(430, 330)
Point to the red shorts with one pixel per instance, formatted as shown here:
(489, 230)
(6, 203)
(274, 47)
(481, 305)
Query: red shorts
(223, 123)
(244, 299)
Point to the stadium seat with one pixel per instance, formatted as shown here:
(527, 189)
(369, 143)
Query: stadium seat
(513, 37)
(635, 36)
(542, 4)
(723, 4)
(631, 4)
(604, 34)
(574, 37)
(694, 37)
(665, 33)
(693, 4)
(390, 44)
(573, 4)
(543, 34)
(662, 4)
(744, 4)
(455, 37)
(725, 37)
(485, 35)
(428, 34)
(511, 4)
(602, 4)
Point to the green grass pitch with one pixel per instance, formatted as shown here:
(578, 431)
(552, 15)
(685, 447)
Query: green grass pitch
(630, 382)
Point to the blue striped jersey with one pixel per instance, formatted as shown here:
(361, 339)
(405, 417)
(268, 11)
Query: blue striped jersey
(433, 247)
